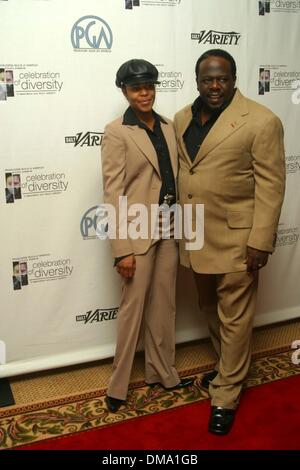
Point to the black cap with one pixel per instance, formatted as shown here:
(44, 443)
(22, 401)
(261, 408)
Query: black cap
(136, 71)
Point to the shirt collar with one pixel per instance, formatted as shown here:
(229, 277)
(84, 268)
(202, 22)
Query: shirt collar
(131, 119)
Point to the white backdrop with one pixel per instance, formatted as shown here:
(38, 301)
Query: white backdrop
(58, 59)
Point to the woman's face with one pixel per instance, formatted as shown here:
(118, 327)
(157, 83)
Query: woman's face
(16, 270)
(9, 182)
(140, 97)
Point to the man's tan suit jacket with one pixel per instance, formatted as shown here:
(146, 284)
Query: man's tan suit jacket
(239, 176)
(130, 168)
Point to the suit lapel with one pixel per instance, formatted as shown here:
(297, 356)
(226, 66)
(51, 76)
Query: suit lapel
(168, 132)
(185, 124)
(231, 119)
(143, 142)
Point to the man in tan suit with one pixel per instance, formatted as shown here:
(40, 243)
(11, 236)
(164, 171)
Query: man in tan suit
(139, 161)
(232, 161)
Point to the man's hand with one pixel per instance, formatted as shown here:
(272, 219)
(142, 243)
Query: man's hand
(126, 267)
(256, 259)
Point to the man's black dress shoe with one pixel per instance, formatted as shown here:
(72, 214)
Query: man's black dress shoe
(207, 378)
(221, 420)
(182, 384)
(113, 404)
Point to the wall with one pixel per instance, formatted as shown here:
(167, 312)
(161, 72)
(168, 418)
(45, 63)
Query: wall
(58, 60)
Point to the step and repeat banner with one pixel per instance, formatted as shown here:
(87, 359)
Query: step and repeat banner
(58, 60)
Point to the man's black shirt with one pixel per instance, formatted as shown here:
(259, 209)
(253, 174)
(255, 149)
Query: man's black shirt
(196, 132)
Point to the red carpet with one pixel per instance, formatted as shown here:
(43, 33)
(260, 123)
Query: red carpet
(268, 418)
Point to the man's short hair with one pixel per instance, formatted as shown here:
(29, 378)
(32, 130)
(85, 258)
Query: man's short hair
(217, 53)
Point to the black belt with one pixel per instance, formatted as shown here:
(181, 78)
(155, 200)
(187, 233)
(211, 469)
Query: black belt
(168, 199)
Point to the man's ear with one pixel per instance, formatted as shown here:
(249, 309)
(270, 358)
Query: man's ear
(124, 91)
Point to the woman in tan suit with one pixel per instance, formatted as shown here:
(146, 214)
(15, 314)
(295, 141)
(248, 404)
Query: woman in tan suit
(139, 161)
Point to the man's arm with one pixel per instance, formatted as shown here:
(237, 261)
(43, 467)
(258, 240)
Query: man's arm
(269, 174)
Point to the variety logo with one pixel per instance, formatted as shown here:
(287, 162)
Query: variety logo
(17, 79)
(98, 315)
(130, 4)
(170, 80)
(216, 37)
(36, 269)
(27, 182)
(278, 78)
(90, 139)
(278, 6)
(91, 33)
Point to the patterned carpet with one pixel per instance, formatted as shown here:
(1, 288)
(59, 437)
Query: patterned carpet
(61, 415)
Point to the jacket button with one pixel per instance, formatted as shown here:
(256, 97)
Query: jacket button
(190, 196)
(191, 172)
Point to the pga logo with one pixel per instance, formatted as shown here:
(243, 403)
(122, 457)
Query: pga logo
(91, 32)
(296, 354)
(89, 222)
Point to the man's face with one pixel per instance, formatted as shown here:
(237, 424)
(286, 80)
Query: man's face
(16, 180)
(23, 268)
(140, 97)
(9, 76)
(215, 82)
